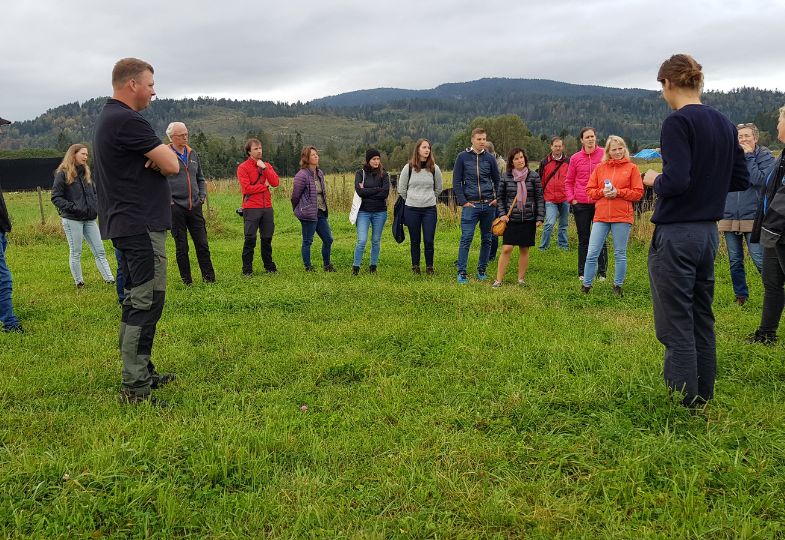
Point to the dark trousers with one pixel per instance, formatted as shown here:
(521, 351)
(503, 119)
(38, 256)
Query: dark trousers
(143, 260)
(773, 292)
(258, 219)
(119, 279)
(584, 214)
(186, 221)
(681, 277)
(421, 223)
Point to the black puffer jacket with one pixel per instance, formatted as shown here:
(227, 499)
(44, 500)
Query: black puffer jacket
(77, 200)
(533, 210)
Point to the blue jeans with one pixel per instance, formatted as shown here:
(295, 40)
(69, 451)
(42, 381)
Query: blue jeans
(599, 232)
(321, 227)
(735, 243)
(75, 233)
(421, 220)
(552, 212)
(481, 213)
(376, 221)
(7, 316)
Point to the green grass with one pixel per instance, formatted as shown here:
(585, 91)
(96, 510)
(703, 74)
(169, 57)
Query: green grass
(433, 410)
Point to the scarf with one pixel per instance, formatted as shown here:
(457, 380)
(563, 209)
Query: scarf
(520, 180)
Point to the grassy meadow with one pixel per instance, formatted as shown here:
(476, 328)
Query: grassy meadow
(315, 405)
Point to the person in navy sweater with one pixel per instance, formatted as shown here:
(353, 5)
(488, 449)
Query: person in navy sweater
(701, 162)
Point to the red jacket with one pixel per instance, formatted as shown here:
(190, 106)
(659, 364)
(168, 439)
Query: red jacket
(255, 184)
(553, 173)
(626, 178)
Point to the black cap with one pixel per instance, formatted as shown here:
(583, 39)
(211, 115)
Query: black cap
(370, 154)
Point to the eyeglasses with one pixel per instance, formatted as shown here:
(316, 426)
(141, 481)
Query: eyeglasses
(748, 125)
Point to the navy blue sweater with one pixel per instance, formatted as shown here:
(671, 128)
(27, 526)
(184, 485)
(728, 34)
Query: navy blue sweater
(701, 162)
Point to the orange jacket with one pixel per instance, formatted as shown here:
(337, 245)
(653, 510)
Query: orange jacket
(626, 178)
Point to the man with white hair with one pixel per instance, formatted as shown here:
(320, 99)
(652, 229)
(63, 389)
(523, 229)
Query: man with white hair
(188, 194)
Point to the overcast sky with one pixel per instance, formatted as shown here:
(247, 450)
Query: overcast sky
(56, 52)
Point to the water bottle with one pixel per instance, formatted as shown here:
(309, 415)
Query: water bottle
(608, 184)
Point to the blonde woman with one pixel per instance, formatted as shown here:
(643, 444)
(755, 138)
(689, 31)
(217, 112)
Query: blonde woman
(614, 185)
(74, 195)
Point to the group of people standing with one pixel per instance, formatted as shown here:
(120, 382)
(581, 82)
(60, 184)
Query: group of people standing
(712, 171)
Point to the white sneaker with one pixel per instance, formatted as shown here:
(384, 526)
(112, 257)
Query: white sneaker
(580, 278)
(496, 284)
(601, 278)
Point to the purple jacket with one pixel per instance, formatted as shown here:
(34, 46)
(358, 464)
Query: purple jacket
(304, 194)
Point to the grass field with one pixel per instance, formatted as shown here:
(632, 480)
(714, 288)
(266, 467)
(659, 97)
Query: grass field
(431, 410)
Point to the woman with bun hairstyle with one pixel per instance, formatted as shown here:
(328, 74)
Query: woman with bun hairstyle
(701, 162)
(420, 184)
(582, 164)
(309, 201)
(521, 190)
(74, 195)
(615, 184)
(372, 184)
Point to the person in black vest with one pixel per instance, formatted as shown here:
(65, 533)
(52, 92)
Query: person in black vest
(8, 318)
(131, 165)
(74, 196)
(701, 162)
(188, 194)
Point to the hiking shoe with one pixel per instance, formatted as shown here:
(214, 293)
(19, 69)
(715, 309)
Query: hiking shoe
(463, 279)
(764, 338)
(617, 290)
(309, 269)
(160, 379)
(429, 271)
(80, 285)
(329, 268)
(496, 284)
(585, 289)
(16, 329)
(372, 269)
(355, 270)
(741, 300)
(416, 270)
(482, 276)
(127, 397)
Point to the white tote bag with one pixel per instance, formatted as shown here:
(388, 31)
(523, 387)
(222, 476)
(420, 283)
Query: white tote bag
(356, 202)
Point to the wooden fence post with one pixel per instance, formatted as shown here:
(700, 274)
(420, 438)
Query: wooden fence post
(41, 206)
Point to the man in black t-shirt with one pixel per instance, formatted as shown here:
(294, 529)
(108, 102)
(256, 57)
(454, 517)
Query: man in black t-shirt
(130, 165)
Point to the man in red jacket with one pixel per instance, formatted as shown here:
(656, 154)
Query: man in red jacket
(553, 172)
(256, 177)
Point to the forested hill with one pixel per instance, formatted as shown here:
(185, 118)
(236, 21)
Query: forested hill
(343, 125)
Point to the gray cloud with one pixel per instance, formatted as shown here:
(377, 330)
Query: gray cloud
(56, 52)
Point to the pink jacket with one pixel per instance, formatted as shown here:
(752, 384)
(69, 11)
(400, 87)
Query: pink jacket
(578, 173)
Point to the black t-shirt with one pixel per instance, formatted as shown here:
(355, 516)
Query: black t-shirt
(131, 199)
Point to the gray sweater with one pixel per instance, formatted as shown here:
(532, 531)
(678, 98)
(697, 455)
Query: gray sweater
(420, 189)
